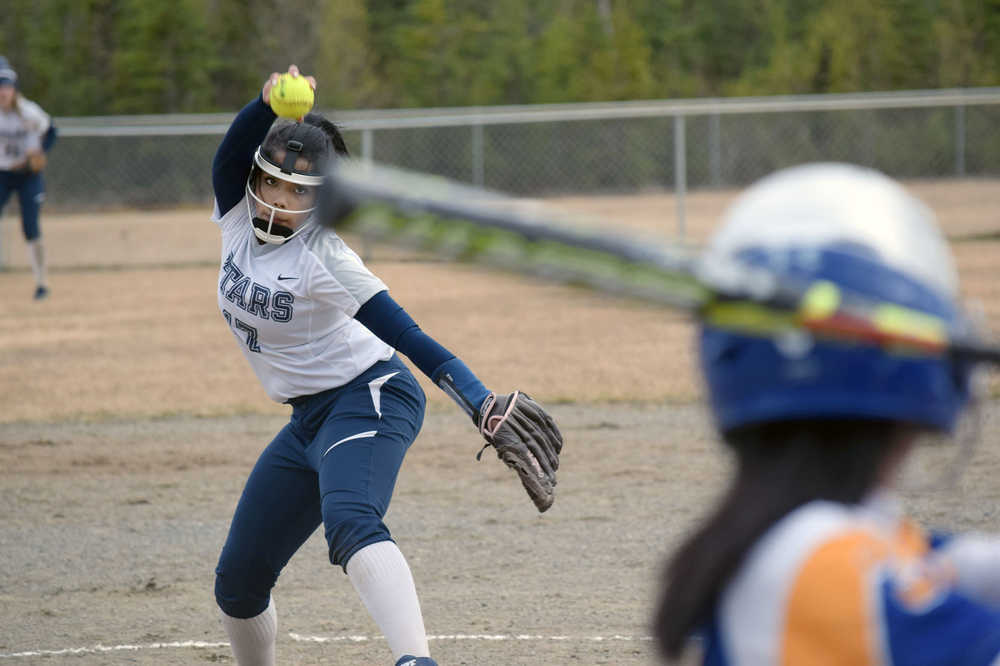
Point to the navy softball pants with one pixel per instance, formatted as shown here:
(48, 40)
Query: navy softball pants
(30, 190)
(334, 464)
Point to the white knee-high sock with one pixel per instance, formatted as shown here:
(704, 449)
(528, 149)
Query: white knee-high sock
(36, 253)
(382, 578)
(252, 639)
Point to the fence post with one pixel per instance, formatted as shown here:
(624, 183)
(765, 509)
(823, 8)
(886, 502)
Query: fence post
(960, 140)
(478, 158)
(367, 154)
(367, 145)
(680, 172)
(714, 149)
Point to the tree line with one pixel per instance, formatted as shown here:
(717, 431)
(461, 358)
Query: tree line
(104, 57)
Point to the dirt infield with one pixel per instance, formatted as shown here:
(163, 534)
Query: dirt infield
(131, 421)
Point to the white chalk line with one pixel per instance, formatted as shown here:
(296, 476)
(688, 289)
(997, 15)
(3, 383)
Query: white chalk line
(101, 649)
(472, 637)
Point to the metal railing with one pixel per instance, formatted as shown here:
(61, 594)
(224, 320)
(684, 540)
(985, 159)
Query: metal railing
(164, 160)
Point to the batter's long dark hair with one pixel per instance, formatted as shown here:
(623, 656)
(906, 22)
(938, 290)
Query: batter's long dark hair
(780, 467)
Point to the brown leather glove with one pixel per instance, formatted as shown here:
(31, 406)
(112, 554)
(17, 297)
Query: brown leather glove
(526, 439)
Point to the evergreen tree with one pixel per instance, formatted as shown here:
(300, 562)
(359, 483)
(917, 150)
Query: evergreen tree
(159, 65)
(345, 63)
(93, 57)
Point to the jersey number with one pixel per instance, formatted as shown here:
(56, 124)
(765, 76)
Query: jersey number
(246, 328)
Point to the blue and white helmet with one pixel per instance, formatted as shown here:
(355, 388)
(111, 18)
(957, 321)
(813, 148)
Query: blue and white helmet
(862, 232)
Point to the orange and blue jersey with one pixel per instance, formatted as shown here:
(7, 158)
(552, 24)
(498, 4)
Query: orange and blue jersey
(855, 586)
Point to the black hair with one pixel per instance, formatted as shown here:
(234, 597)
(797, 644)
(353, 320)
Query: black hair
(320, 138)
(331, 130)
(317, 147)
(780, 467)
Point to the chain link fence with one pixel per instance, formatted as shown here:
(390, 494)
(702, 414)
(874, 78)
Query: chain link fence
(165, 161)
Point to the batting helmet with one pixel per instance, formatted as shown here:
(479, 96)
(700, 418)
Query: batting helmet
(861, 231)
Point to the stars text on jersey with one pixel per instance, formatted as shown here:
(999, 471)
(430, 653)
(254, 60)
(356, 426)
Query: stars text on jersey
(253, 297)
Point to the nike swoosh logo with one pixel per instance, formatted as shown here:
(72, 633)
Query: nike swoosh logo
(288, 277)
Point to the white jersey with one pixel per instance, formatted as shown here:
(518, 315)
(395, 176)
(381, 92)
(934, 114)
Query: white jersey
(861, 586)
(291, 307)
(21, 132)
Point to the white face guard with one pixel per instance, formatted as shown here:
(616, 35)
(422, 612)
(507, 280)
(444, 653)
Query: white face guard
(266, 229)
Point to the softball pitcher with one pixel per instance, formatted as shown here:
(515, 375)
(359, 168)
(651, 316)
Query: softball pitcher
(26, 135)
(321, 333)
(808, 558)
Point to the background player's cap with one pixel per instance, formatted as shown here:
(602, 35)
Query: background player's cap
(8, 77)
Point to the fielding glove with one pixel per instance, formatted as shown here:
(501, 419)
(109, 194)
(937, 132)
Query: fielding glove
(526, 439)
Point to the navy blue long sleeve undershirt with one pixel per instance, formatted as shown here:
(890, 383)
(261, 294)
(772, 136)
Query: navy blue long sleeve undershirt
(232, 162)
(387, 319)
(49, 138)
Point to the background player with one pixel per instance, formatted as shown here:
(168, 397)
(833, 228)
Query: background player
(808, 558)
(320, 331)
(26, 135)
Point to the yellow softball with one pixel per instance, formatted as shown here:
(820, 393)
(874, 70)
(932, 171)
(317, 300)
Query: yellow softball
(291, 97)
